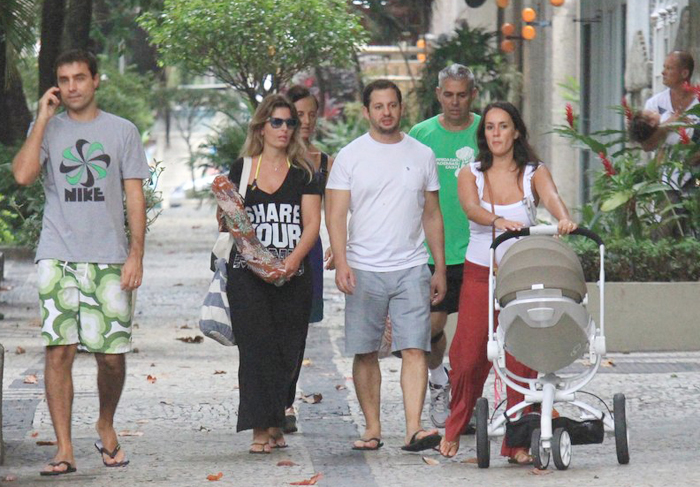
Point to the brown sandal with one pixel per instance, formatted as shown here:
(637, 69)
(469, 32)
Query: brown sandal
(259, 452)
(521, 457)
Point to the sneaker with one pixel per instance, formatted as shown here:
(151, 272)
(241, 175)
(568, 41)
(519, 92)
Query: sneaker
(290, 421)
(439, 404)
(290, 424)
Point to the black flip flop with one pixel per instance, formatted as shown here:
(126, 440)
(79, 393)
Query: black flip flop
(425, 443)
(111, 454)
(369, 448)
(52, 473)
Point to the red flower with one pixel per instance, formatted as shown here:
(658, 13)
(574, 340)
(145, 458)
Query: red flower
(685, 139)
(570, 115)
(628, 110)
(609, 169)
(694, 88)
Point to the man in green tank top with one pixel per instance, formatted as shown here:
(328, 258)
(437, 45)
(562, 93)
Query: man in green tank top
(452, 136)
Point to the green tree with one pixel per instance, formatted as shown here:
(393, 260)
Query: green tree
(255, 46)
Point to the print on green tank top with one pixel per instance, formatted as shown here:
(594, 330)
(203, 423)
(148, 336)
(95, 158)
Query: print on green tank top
(453, 151)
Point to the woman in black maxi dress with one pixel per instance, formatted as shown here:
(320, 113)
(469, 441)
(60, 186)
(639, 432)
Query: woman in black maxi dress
(270, 323)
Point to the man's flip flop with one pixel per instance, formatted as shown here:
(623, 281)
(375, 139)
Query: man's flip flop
(51, 473)
(369, 448)
(111, 454)
(425, 443)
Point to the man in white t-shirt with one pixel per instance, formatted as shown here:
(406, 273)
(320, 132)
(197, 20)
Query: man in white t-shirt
(676, 99)
(388, 181)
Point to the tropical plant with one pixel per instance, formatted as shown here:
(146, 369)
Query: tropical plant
(255, 46)
(475, 48)
(633, 197)
(16, 33)
(22, 207)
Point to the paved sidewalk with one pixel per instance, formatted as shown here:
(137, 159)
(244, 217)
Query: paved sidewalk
(182, 426)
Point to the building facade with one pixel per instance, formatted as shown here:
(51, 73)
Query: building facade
(594, 50)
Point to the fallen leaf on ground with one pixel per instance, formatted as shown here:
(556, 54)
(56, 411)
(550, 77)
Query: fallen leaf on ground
(194, 339)
(311, 481)
(153, 365)
(151, 378)
(142, 421)
(607, 362)
(306, 362)
(340, 387)
(130, 433)
(5, 288)
(167, 403)
(215, 476)
(178, 284)
(9, 478)
(46, 442)
(537, 471)
(430, 461)
(472, 460)
(20, 350)
(286, 463)
(135, 350)
(314, 398)
(31, 379)
(185, 327)
(219, 372)
(35, 434)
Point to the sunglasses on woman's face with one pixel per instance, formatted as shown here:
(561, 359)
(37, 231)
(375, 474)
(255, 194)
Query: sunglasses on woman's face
(276, 123)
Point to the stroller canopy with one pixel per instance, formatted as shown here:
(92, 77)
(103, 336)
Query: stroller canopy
(540, 286)
(540, 260)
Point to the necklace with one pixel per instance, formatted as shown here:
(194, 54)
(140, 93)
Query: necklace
(254, 184)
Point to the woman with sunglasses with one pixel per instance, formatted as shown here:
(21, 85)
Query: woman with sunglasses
(307, 111)
(270, 323)
(498, 192)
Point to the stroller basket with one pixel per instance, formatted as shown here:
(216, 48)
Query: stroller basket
(587, 432)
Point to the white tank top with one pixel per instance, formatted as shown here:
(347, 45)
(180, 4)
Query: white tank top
(524, 211)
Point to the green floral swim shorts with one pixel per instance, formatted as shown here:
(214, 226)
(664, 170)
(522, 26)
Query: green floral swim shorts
(84, 303)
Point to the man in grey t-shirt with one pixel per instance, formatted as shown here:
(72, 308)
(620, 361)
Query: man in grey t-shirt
(90, 161)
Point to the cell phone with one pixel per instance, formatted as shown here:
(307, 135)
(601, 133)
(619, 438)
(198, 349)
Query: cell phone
(57, 94)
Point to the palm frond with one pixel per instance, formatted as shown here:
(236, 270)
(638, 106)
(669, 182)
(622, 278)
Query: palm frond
(17, 29)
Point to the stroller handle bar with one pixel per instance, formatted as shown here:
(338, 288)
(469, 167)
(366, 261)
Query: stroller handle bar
(544, 230)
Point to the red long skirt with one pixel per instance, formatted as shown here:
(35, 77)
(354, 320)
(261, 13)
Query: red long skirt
(470, 366)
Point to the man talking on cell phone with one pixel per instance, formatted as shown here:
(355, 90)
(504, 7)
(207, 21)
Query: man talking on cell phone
(91, 162)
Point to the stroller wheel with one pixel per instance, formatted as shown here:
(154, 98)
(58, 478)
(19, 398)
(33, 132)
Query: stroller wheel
(621, 435)
(540, 456)
(561, 449)
(483, 446)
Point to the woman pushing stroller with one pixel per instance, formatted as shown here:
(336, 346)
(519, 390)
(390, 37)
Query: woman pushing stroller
(498, 192)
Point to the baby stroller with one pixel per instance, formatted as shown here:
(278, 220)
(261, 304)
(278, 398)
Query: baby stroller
(540, 292)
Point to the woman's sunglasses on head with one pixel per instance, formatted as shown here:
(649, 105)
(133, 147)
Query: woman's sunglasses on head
(276, 123)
